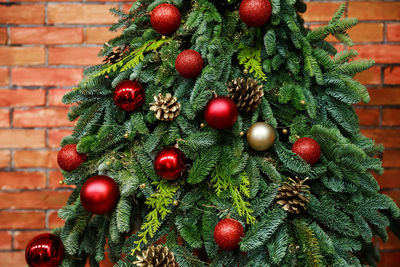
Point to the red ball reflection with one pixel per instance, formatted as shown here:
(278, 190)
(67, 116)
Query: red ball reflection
(44, 250)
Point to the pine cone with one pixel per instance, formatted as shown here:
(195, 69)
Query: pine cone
(293, 196)
(116, 55)
(166, 107)
(156, 256)
(246, 93)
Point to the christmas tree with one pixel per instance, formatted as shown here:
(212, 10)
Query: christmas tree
(224, 131)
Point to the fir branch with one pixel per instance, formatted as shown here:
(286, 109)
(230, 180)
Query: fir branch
(250, 58)
(159, 203)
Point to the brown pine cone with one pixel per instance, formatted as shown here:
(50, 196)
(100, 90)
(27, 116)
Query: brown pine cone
(156, 256)
(246, 93)
(293, 196)
(166, 107)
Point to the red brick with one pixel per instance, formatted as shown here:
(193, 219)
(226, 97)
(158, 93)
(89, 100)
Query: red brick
(22, 138)
(370, 76)
(99, 35)
(55, 178)
(320, 11)
(367, 32)
(46, 35)
(33, 200)
(22, 56)
(54, 220)
(80, 14)
(3, 36)
(385, 96)
(35, 159)
(46, 76)
(22, 219)
(3, 76)
(22, 238)
(391, 158)
(44, 117)
(55, 95)
(22, 180)
(74, 56)
(5, 240)
(55, 136)
(389, 259)
(389, 179)
(5, 158)
(12, 258)
(393, 242)
(22, 14)
(368, 117)
(381, 53)
(387, 137)
(395, 195)
(392, 75)
(391, 117)
(4, 117)
(393, 32)
(374, 10)
(22, 98)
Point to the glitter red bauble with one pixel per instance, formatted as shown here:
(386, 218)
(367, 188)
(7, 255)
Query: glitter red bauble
(189, 64)
(228, 233)
(69, 159)
(221, 113)
(165, 19)
(308, 149)
(170, 163)
(44, 250)
(129, 95)
(99, 194)
(255, 13)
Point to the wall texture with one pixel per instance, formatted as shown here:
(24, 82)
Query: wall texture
(45, 45)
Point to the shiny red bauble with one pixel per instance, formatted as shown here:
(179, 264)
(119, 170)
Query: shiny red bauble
(308, 149)
(44, 250)
(99, 194)
(170, 163)
(255, 13)
(189, 64)
(69, 159)
(129, 95)
(228, 233)
(165, 19)
(221, 113)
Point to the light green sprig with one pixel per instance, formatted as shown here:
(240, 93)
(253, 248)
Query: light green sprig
(250, 58)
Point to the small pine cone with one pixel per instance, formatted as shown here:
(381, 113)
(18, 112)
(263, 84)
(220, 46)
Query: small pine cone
(166, 107)
(293, 196)
(156, 256)
(246, 93)
(116, 55)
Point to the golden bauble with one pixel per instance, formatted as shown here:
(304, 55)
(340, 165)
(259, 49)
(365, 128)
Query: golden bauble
(176, 202)
(142, 186)
(61, 182)
(260, 136)
(303, 102)
(284, 131)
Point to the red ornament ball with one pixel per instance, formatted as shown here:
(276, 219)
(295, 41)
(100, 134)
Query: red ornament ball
(189, 64)
(308, 149)
(99, 194)
(69, 159)
(170, 163)
(228, 233)
(44, 250)
(221, 113)
(165, 19)
(255, 13)
(129, 95)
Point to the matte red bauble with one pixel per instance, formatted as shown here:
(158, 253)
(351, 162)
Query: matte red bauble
(308, 149)
(228, 233)
(165, 19)
(170, 163)
(189, 64)
(44, 250)
(255, 13)
(69, 159)
(99, 194)
(129, 95)
(221, 113)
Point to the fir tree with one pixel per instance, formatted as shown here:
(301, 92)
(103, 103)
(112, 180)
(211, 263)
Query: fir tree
(308, 91)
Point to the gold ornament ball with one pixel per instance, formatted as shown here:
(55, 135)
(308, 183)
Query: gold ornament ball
(126, 135)
(142, 186)
(284, 131)
(176, 202)
(260, 136)
(241, 133)
(61, 182)
(303, 102)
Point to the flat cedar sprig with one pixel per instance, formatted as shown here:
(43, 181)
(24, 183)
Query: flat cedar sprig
(250, 58)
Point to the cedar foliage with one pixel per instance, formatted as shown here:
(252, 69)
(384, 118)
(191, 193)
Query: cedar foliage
(226, 177)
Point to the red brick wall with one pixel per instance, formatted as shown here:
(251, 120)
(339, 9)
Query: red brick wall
(45, 45)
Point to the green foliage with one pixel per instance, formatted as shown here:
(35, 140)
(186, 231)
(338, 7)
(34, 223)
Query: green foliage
(250, 58)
